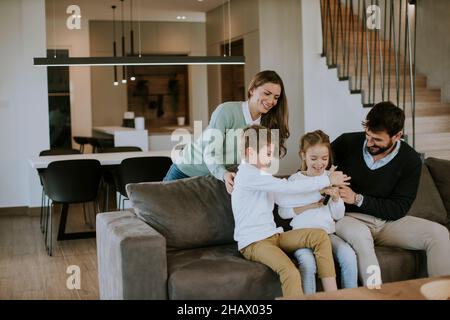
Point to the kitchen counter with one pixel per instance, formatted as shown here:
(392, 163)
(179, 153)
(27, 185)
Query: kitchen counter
(124, 136)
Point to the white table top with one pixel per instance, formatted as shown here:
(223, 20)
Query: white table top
(112, 130)
(106, 159)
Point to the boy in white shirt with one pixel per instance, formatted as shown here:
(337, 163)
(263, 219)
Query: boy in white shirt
(255, 230)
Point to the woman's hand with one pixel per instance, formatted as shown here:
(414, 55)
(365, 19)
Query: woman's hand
(228, 178)
(300, 210)
(331, 191)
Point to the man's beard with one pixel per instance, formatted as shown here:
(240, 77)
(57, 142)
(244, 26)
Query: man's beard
(380, 150)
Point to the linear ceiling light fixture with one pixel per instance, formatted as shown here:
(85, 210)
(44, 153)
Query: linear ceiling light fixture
(135, 61)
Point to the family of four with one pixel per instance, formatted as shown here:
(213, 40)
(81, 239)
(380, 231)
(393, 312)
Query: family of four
(336, 214)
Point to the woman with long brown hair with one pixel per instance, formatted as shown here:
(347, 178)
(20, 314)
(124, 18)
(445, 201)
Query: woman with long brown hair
(210, 154)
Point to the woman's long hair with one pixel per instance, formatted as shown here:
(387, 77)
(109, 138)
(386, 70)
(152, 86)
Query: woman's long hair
(278, 116)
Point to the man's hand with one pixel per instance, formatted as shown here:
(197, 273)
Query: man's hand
(347, 194)
(228, 177)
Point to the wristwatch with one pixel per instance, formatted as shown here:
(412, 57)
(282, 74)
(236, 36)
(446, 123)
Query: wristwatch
(359, 199)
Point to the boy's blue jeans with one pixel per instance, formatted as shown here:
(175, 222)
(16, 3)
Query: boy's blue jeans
(343, 253)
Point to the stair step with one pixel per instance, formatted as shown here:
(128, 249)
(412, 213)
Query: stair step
(421, 105)
(432, 141)
(440, 154)
(429, 124)
(427, 112)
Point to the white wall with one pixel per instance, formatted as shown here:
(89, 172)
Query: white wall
(24, 128)
(281, 50)
(433, 44)
(328, 104)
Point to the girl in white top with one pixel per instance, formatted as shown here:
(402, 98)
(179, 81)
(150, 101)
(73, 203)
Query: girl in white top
(257, 235)
(307, 210)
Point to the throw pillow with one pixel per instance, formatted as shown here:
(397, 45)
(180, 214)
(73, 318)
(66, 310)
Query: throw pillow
(189, 213)
(428, 203)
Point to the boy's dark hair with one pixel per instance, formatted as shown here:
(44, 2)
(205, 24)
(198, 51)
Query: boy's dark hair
(256, 134)
(385, 116)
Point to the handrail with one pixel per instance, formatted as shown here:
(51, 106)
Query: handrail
(366, 56)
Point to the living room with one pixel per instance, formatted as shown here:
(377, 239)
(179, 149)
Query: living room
(337, 61)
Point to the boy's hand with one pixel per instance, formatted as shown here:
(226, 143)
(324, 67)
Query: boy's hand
(228, 178)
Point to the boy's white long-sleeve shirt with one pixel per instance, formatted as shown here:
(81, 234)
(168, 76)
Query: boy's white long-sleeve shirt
(252, 201)
(323, 217)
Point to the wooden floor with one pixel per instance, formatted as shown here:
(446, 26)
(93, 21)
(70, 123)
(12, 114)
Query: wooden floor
(27, 272)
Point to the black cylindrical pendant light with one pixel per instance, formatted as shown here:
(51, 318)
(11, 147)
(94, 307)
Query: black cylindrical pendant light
(132, 76)
(114, 44)
(124, 70)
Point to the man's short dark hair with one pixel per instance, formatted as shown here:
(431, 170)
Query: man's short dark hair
(385, 116)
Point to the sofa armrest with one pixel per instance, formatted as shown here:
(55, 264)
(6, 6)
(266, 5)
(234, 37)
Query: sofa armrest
(132, 261)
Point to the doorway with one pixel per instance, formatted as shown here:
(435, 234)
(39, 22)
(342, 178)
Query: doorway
(59, 103)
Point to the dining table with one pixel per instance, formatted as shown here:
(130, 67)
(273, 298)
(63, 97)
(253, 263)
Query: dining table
(105, 159)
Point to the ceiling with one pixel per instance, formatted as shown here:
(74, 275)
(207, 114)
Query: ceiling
(146, 10)
(181, 5)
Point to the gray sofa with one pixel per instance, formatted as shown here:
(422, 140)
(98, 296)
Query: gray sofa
(177, 242)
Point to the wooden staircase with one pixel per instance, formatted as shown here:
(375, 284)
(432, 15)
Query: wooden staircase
(352, 48)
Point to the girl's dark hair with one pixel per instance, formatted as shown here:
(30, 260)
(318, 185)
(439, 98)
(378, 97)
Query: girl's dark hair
(385, 116)
(278, 116)
(311, 139)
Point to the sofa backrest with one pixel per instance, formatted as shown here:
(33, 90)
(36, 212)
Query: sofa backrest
(428, 203)
(189, 213)
(440, 171)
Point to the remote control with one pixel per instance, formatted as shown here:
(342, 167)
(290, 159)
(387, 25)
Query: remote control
(326, 199)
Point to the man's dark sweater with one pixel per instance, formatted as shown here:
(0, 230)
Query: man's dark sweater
(389, 190)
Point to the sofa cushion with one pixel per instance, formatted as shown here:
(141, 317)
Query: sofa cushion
(428, 203)
(189, 213)
(219, 273)
(440, 171)
(398, 264)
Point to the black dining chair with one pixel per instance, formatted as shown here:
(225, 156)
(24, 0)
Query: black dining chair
(140, 169)
(109, 173)
(50, 152)
(70, 182)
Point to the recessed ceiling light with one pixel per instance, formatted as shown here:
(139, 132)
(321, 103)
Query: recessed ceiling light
(181, 17)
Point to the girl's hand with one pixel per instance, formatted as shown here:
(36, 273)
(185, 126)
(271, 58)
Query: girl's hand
(331, 191)
(338, 178)
(300, 210)
(228, 178)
